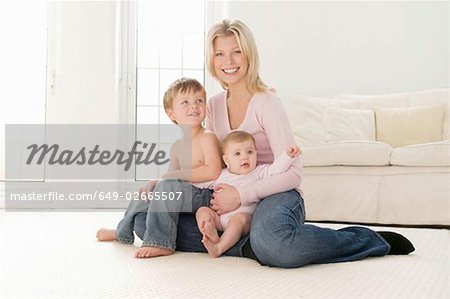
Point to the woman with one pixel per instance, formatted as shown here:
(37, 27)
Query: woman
(278, 235)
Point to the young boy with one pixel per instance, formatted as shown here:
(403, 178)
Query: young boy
(185, 104)
(239, 154)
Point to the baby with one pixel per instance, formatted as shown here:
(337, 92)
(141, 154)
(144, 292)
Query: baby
(239, 154)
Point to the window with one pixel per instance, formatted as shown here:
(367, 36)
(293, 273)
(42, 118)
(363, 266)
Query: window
(23, 61)
(170, 45)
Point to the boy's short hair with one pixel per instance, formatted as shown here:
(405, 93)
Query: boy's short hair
(181, 85)
(236, 136)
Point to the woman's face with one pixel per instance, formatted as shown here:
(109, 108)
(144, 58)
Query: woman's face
(230, 64)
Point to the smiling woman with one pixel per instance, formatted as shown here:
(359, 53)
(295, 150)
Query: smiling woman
(230, 64)
(278, 236)
(231, 58)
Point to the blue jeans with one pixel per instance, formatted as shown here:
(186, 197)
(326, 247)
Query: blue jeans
(279, 237)
(161, 216)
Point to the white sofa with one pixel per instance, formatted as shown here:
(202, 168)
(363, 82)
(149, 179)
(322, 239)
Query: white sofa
(349, 175)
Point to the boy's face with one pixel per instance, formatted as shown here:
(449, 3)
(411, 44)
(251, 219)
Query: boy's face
(188, 108)
(240, 157)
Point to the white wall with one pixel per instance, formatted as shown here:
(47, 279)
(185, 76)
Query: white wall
(23, 31)
(331, 48)
(82, 59)
(317, 48)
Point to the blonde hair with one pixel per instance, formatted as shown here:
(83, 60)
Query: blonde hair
(247, 45)
(181, 85)
(238, 137)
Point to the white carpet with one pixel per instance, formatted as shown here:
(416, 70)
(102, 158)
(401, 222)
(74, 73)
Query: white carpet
(56, 255)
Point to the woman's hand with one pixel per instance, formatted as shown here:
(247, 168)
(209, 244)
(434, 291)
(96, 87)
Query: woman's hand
(225, 199)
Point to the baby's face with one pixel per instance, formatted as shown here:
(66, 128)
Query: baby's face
(240, 157)
(188, 108)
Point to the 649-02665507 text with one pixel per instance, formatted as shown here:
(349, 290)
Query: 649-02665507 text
(97, 195)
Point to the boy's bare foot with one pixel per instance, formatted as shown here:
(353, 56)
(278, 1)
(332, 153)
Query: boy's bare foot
(105, 234)
(145, 252)
(213, 248)
(209, 230)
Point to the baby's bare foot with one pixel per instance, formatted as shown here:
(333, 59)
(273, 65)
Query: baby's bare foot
(145, 252)
(213, 248)
(105, 234)
(210, 231)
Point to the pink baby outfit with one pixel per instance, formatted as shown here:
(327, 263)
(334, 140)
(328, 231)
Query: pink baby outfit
(267, 121)
(263, 171)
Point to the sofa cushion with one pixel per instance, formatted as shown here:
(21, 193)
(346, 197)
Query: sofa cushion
(306, 115)
(428, 154)
(349, 124)
(406, 126)
(355, 153)
(446, 131)
(428, 97)
(434, 97)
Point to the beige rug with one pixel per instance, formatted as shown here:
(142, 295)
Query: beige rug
(56, 255)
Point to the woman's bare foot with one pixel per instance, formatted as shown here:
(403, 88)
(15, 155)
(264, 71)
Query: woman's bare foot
(145, 252)
(105, 234)
(209, 231)
(213, 248)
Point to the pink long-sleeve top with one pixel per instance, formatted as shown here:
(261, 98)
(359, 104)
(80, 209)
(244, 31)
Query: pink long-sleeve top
(261, 171)
(267, 121)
